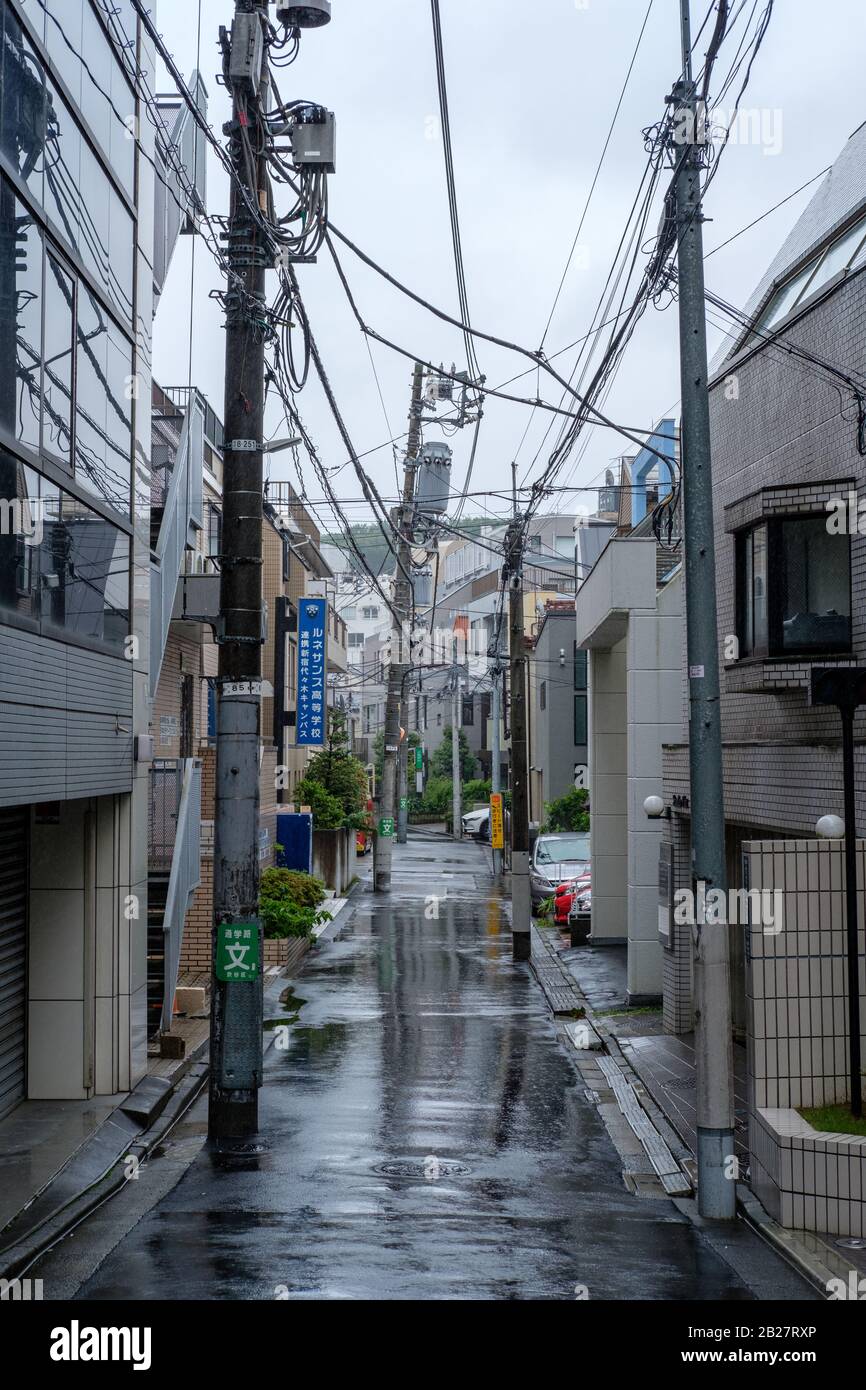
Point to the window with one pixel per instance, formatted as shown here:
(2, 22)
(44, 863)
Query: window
(213, 521)
(57, 365)
(793, 588)
(61, 566)
(579, 721)
(103, 423)
(468, 711)
(85, 571)
(579, 668)
(349, 614)
(542, 695)
(356, 639)
(21, 328)
(839, 255)
(368, 614)
(19, 538)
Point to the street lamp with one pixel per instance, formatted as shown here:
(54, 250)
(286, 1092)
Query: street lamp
(273, 446)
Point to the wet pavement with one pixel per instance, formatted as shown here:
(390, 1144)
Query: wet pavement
(429, 1136)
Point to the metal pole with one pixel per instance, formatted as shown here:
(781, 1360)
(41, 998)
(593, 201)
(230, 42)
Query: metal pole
(456, 785)
(847, 712)
(398, 669)
(521, 902)
(495, 749)
(713, 1040)
(236, 1003)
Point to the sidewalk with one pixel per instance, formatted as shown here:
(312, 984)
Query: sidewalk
(424, 1135)
(664, 1066)
(60, 1159)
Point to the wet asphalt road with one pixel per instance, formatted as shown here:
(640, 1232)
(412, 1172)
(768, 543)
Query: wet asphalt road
(418, 1043)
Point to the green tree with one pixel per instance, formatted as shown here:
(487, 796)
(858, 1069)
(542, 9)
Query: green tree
(341, 774)
(328, 813)
(412, 740)
(440, 763)
(568, 812)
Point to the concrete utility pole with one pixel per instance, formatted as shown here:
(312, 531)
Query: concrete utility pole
(413, 444)
(713, 1042)
(398, 670)
(495, 747)
(521, 903)
(236, 989)
(456, 784)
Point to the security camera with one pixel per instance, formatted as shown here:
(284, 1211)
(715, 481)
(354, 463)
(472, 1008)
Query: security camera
(308, 16)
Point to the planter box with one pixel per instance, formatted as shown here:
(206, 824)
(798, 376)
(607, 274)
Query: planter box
(334, 858)
(285, 952)
(806, 1179)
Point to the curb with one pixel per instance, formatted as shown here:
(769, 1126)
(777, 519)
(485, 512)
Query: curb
(157, 1112)
(16, 1258)
(817, 1266)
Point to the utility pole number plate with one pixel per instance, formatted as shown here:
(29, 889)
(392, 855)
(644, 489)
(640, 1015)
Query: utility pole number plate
(237, 957)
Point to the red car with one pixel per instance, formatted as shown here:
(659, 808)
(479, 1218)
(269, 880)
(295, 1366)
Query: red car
(564, 896)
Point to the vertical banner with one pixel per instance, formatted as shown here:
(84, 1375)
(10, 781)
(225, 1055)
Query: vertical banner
(497, 822)
(312, 663)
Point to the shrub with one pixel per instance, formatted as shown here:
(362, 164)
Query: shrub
(437, 796)
(289, 903)
(292, 885)
(476, 790)
(568, 812)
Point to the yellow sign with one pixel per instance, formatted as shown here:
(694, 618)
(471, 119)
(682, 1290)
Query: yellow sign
(497, 827)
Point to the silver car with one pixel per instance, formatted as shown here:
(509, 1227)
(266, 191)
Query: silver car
(555, 858)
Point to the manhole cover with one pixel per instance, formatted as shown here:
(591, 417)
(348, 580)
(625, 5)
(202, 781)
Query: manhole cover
(851, 1243)
(430, 1168)
(684, 1083)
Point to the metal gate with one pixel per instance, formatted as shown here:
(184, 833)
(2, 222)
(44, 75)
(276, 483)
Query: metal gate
(13, 956)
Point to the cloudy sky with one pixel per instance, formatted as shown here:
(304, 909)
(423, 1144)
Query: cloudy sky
(532, 91)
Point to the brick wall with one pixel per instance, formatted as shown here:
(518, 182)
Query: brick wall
(195, 951)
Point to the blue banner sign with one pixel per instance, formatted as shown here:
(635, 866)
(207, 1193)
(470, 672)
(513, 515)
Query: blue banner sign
(312, 664)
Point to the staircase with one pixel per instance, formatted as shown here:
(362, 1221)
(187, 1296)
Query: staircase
(174, 873)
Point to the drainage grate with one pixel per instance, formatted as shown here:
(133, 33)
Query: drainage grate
(430, 1168)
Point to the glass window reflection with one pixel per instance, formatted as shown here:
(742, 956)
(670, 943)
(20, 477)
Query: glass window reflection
(85, 574)
(21, 533)
(22, 104)
(57, 364)
(20, 318)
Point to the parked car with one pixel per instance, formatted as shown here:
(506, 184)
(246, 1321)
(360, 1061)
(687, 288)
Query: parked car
(556, 858)
(476, 824)
(580, 915)
(564, 897)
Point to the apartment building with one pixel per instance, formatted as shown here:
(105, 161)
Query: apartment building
(786, 418)
(78, 277)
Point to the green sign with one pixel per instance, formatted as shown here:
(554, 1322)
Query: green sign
(237, 951)
(419, 759)
(386, 827)
(404, 803)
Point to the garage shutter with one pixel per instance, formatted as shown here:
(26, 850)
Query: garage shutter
(13, 955)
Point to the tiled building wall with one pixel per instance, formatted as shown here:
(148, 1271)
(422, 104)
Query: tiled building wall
(787, 430)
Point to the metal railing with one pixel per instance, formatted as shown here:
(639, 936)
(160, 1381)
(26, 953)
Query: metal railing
(182, 512)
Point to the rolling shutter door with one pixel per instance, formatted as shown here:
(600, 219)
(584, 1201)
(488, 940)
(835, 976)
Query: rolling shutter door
(13, 955)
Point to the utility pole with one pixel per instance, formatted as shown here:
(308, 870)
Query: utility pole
(495, 747)
(713, 1042)
(456, 784)
(413, 444)
(398, 670)
(521, 903)
(237, 950)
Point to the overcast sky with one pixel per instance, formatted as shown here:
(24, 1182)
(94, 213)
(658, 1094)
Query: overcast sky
(532, 90)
